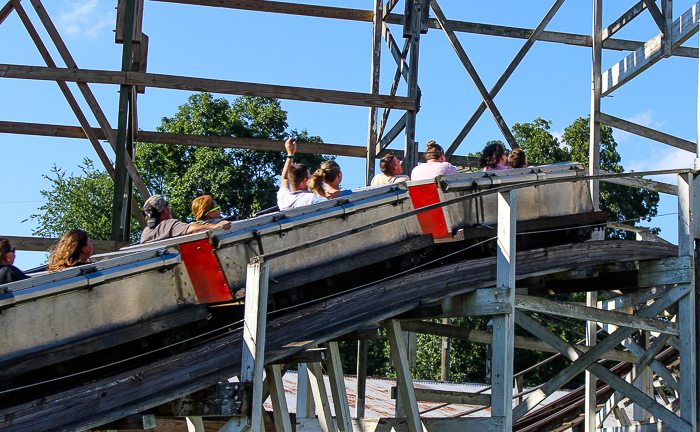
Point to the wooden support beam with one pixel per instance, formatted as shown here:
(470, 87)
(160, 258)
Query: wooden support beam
(504, 321)
(573, 310)
(372, 136)
(666, 271)
(361, 382)
(643, 183)
(449, 397)
(138, 22)
(334, 365)
(392, 134)
(305, 400)
(318, 388)
(646, 132)
(252, 357)
(367, 333)
(131, 423)
(624, 19)
(473, 74)
(207, 85)
(586, 359)
(313, 355)
(667, 27)
(604, 374)
(635, 298)
(458, 26)
(688, 207)
(394, 86)
(652, 51)
(6, 11)
(40, 244)
(504, 77)
(656, 14)
(410, 159)
(279, 400)
(403, 376)
(484, 337)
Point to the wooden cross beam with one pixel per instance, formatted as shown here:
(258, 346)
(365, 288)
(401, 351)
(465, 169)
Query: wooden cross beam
(279, 400)
(403, 376)
(318, 388)
(372, 136)
(392, 134)
(634, 394)
(646, 132)
(624, 19)
(6, 11)
(504, 77)
(597, 352)
(337, 383)
(394, 87)
(656, 14)
(473, 74)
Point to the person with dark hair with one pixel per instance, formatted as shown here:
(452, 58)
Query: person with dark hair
(293, 190)
(73, 249)
(391, 169)
(330, 174)
(493, 158)
(517, 159)
(8, 272)
(160, 224)
(435, 164)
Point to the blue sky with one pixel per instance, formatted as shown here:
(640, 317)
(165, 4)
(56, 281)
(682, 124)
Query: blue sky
(553, 82)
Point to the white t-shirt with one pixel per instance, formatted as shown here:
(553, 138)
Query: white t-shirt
(287, 199)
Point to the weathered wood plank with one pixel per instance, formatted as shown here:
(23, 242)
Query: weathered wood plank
(313, 355)
(391, 18)
(334, 366)
(643, 183)
(368, 333)
(6, 11)
(643, 58)
(640, 296)
(403, 376)
(318, 388)
(572, 310)
(132, 422)
(481, 336)
(646, 132)
(392, 133)
(138, 22)
(445, 396)
(40, 244)
(202, 366)
(279, 400)
(666, 271)
(375, 67)
(207, 85)
(624, 19)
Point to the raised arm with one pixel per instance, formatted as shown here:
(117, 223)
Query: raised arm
(291, 146)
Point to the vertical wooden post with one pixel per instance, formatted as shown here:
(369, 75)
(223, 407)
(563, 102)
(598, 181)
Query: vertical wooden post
(120, 150)
(404, 383)
(645, 380)
(305, 400)
(667, 38)
(318, 387)
(253, 352)
(410, 150)
(374, 89)
(362, 347)
(445, 358)
(594, 186)
(504, 325)
(279, 400)
(687, 211)
(337, 382)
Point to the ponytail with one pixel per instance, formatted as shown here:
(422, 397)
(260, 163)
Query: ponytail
(327, 173)
(315, 183)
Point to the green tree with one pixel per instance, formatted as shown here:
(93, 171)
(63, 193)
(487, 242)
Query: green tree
(81, 201)
(241, 181)
(622, 203)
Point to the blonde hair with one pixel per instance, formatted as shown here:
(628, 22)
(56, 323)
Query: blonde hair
(67, 251)
(434, 151)
(201, 207)
(328, 172)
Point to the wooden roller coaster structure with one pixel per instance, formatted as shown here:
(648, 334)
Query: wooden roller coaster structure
(166, 324)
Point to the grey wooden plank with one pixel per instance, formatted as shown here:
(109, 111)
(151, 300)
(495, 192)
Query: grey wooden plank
(334, 365)
(361, 382)
(279, 400)
(659, 18)
(403, 376)
(372, 136)
(646, 132)
(132, 422)
(318, 388)
(537, 304)
(6, 11)
(624, 19)
(392, 133)
(643, 183)
(450, 397)
(637, 297)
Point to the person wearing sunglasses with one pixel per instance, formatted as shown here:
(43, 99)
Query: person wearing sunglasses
(161, 225)
(8, 272)
(206, 211)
